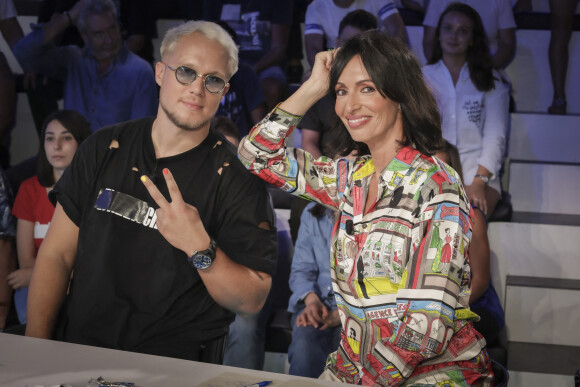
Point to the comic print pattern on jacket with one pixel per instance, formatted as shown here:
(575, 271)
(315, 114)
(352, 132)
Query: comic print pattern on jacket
(400, 272)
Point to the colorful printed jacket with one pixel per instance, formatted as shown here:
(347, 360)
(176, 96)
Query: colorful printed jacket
(400, 273)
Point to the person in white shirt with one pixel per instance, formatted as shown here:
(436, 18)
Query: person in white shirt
(498, 20)
(472, 100)
(323, 16)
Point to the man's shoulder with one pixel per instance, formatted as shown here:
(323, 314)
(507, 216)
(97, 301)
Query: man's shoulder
(224, 156)
(122, 131)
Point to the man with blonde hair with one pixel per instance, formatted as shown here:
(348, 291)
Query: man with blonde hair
(167, 233)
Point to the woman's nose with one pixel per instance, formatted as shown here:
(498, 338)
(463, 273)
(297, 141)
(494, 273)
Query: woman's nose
(352, 103)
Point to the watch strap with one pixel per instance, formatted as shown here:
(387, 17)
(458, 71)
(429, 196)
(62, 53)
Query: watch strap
(484, 178)
(199, 259)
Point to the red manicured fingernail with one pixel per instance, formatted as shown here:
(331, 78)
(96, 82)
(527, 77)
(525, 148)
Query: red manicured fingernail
(165, 171)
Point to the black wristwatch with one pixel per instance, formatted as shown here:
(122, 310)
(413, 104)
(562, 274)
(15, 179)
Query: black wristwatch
(203, 259)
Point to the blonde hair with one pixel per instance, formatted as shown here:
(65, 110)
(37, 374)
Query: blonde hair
(209, 30)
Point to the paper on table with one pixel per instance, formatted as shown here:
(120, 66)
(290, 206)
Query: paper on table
(230, 379)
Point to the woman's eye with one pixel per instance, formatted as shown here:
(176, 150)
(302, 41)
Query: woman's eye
(48, 139)
(68, 138)
(368, 89)
(340, 92)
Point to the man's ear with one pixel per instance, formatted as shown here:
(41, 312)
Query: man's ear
(159, 71)
(225, 90)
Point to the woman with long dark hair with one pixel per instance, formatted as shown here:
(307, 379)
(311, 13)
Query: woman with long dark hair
(474, 103)
(404, 321)
(62, 133)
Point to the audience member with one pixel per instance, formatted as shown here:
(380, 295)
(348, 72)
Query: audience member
(561, 18)
(7, 110)
(321, 27)
(498, 20)
(414, 5)
(245, 344)
(12, 33)
(315, 320)
(62, 133)
(522, 6)
(483, 300)
(170, 275)
(7, 256)
(262, 28)
(317, 122)
(244, 103)
(104, 81)
(472, 100)
(403, 321)
(295, 69)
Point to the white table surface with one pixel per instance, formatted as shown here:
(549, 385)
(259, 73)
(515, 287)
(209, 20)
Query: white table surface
(31, 362)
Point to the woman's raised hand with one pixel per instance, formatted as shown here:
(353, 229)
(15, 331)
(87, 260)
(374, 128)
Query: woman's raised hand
(314, 88)
(321, 69)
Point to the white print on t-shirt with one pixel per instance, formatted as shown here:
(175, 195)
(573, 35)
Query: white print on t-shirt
(126, 206)
(151, 218)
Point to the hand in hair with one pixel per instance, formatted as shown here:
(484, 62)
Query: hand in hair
(314, 88)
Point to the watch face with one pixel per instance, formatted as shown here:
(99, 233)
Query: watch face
(201, 261)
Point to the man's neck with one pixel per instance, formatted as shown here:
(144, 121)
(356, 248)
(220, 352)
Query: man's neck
(103, 66)
(170, 140)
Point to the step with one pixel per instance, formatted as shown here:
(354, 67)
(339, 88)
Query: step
(537, 378)
(544, 187)
(532, 250)
(530, 72)
(543, 137)
(543, 310)
(552, 365)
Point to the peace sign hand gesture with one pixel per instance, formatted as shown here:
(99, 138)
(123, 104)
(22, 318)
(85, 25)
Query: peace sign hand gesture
(177, 221)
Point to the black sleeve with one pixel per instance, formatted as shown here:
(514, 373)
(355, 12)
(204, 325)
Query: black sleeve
(246, 204)
(312, 120)
(78, 181)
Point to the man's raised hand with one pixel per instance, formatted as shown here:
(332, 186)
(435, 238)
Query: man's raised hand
(177, 221)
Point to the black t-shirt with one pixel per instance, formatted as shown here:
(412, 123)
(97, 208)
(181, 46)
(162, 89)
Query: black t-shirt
(131, 289)
(319, 119)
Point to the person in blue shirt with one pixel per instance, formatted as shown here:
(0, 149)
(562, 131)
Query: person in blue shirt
(104, 81)
(315, 320)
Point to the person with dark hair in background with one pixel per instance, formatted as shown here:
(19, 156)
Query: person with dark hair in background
(104, 81)
(473, 101)
(244, 103)
(321, 28)
(159, 215)
(316, 124)
(315, 320)
(62, 133)
(497, 18)
(404, 320)
(483, 300)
